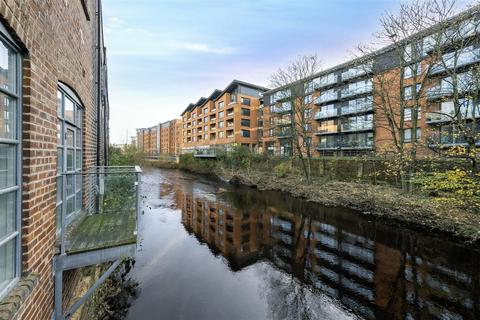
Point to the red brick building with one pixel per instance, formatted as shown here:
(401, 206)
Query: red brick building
(53, 119)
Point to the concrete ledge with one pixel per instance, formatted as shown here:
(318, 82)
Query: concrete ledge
(19, 294)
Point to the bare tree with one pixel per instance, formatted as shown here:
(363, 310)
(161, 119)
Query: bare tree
(455, 94)
(401, 87)
(293, 106)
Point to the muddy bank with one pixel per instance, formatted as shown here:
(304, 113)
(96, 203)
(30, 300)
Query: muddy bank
(382, 202)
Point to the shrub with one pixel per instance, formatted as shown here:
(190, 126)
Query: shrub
(457, 187)
(285, 168)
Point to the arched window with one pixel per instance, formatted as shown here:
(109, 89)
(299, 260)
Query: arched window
(10, 162)
(69, 154)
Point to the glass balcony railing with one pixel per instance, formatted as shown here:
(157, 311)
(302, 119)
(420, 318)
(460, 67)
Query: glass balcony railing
(283, 122)
(356, 90)
(356, 126)
(450, 114)
(109, 213)
(284, 133)
(457, 59)
(447, 140)
(345, 144)
(283, 107)
(327, 130)
(327, 97)
(359, 108)
(326, 113)
(438, 92)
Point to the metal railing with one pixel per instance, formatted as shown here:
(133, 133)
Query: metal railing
(106, 213)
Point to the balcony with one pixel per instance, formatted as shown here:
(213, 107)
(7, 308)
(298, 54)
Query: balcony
(103, 230)
(326, 113)
(230, 114)
(356, 126)
(359, 108)
(356, 90)
(357, 71)
(283, 122)
(327, 96)
(327, 130)
(356, 144)
(284, 133)
(110, 210)
(449, 114)
(281, 108)
(447, 140)
(438, 92)
(467, 56)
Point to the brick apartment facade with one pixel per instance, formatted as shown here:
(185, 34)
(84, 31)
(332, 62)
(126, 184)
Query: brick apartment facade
(347, 114)
(54, 89)
(227, 117)
(161, 139)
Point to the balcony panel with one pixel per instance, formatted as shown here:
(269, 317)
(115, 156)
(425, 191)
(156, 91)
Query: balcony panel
(324, 114)
(352, 127)
(110, 209)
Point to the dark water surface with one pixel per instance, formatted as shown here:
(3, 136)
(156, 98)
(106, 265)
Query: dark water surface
(214, 251)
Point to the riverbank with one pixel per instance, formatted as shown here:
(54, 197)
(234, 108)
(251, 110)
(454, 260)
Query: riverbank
(379, 201)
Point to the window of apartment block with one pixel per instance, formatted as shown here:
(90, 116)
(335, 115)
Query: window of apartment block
(220, 115)
(205, 128)
(10, 166)
(205, 110)
(407, 134)
(245, 133)
(271, 132)
(69, 155)
(245, 112)
(221, 134)
(408, 92)
(245, 123)
(220, 105)
(233, 98)
(408, 114)
(409, 71)
(245, 101)
(205, 119)
(220, 124)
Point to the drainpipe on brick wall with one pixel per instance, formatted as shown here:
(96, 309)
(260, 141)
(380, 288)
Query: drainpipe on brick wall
(99, 83)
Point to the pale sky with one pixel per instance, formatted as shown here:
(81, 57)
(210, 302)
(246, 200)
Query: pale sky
(164, 54)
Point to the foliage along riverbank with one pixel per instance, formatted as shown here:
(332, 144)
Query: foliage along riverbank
(385, 202)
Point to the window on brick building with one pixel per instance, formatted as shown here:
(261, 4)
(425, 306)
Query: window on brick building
(10, 166)
(69, 154)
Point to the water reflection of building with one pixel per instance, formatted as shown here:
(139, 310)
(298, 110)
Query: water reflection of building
(238, 235)
(378, 274)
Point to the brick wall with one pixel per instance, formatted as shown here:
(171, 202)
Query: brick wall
(60, 45)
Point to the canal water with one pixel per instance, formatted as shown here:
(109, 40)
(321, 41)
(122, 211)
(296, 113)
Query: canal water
(214, 251)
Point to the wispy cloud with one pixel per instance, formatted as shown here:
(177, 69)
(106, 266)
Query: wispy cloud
(205, 48)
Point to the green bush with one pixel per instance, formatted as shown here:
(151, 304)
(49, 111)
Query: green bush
(129, 156)
(284, 169)
(457, 187)
(190, 163)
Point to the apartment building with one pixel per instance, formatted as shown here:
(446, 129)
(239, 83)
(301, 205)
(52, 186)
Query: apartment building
(162, 138)
(227, 117)
(53, 134)
(348, 111)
